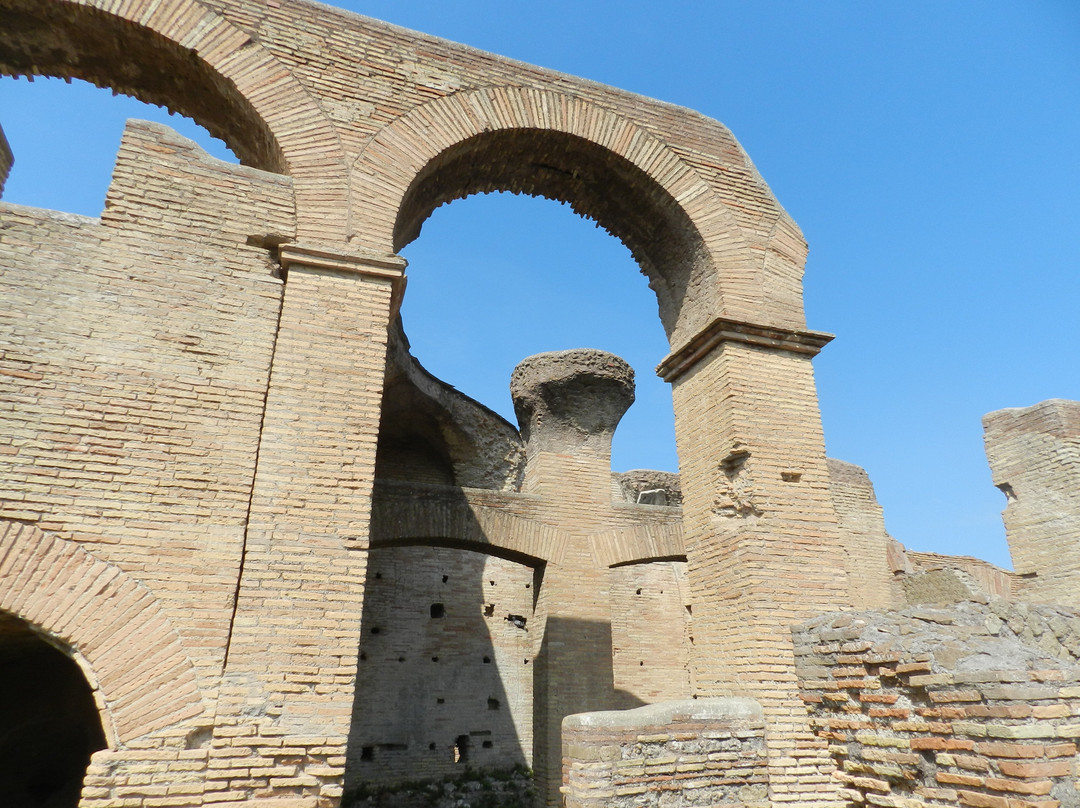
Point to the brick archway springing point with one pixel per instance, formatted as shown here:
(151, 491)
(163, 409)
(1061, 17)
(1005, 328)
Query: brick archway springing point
(119, 635)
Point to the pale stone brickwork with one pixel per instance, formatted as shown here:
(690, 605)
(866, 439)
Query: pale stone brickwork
(213, 427)
(761, 530)
(974, 576)
(444, 681)
(675, 754)
(882, 573)
(135, 362)
(1034, 455)
(599, 619)
(651, 630)
(863, 534)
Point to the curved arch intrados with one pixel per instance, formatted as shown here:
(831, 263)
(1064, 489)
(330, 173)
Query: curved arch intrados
(595, 181)
(451, 543)
(65, 40)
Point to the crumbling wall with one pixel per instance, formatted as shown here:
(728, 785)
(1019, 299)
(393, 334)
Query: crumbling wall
(882, 573)
(671, 754)
(975, 704)
(156, 361)
(863, 536)
(1034, 455)
(963, 577)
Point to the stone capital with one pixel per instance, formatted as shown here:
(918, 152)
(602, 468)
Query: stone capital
(723, 329)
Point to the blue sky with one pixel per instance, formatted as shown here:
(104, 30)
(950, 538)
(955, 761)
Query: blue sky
(928, 150)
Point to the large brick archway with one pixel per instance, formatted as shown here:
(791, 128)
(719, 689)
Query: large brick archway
(143, 679)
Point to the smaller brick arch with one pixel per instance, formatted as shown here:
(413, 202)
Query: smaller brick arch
(448, 518)
(143, 678)
(541, 142)
(183, 55)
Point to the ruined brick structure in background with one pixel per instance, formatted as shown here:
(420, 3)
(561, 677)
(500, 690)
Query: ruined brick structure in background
(262, 558)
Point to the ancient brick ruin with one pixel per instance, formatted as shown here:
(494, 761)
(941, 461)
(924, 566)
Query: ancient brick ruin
(252, 553)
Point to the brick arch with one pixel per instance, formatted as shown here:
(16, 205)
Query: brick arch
(183, 55)
(143, 678)
(402, 518)
(563, 147)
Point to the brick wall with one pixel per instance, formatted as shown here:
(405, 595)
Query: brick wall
(976, 704)
(863, 535)
(1034, 455)
(445, 676)
(211, 431)
(134, 371)
(670, 754)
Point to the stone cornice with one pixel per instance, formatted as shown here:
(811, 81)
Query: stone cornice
(723, 330)
(360, 262)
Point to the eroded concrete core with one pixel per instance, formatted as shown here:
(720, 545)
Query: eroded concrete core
(568, 400)
(647, 487)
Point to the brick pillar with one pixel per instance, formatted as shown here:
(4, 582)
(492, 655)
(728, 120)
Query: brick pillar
(568, 404)
(286, 696)
(762, 544)
(1034, 453)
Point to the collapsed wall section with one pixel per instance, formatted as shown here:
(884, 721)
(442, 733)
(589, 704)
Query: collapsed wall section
(976, 704)
(863, 536)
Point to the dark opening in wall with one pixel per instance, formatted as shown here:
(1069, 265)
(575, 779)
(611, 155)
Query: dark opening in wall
(367, 753)
(489, 610)
(493, 704)
(461, 749)
(50, 721)
(487, 660)
(438, 610)
(487, 744)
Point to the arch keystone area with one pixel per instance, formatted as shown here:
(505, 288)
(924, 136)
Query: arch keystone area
(408, 150)
(144, 679)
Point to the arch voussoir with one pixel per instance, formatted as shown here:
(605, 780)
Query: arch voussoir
(109, 620)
